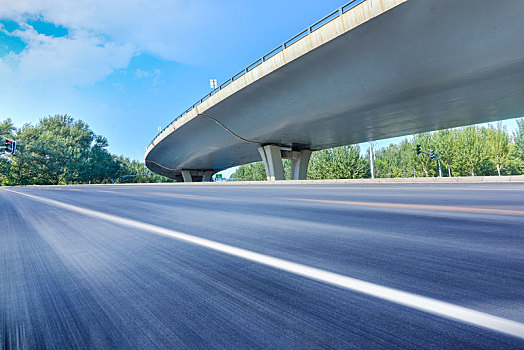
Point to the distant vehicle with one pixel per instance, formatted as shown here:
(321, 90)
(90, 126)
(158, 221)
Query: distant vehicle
(219, 178)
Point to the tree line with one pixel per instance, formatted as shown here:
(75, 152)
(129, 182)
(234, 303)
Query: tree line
(468, 151)
(61, 150)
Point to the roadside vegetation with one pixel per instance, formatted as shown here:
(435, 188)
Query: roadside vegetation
(468, 151)
(61, 150)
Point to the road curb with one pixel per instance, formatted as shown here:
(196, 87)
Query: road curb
(464, 179)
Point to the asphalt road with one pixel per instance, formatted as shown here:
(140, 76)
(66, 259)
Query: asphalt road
(131, 271)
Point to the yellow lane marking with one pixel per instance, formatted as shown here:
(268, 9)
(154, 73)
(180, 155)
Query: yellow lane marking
(179, 195)
(192, 196)
(137, 194)
(416, 206)
(75, 189)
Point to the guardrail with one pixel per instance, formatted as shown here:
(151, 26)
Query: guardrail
(325, 20)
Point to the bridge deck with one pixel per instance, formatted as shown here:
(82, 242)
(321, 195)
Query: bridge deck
(418, 66)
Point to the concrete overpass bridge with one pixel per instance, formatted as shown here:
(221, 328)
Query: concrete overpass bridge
(370, 70)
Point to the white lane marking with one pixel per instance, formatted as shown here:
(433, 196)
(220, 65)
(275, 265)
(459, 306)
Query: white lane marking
(411, 300)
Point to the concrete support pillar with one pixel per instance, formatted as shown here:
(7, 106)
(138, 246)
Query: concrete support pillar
(299, 165)
(197, 175)
(272, 156)
(207, 175)
(272, 159)
(186, 174)
(264, 160)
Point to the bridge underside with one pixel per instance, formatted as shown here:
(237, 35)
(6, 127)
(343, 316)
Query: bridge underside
(421, 66)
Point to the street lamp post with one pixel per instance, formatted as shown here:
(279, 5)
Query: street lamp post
(371, 163)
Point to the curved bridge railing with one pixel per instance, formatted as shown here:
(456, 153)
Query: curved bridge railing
(333, 15)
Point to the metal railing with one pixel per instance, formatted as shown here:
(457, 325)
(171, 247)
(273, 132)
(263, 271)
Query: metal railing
(317, 25)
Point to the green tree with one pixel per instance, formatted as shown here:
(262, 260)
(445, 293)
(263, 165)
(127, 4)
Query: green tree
(516, 156)
(498, 146)
(444, 141)
(60, 150)
(7, 129)
(471, 152)
(388, 162)
(343, 162)
(250, 172)
(132, 171)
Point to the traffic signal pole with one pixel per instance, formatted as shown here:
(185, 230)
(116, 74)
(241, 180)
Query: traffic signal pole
(432, 156)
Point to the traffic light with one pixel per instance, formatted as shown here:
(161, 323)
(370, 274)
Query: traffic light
(431, 154)
(418, 150)
(10, 146)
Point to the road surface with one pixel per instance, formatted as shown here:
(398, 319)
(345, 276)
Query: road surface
(346, 266)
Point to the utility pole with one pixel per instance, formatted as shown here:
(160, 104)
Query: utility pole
(371, 162)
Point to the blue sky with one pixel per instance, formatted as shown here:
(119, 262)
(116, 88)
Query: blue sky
(128, 66)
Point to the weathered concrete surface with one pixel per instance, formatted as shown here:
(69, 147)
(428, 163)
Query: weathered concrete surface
(419, 66)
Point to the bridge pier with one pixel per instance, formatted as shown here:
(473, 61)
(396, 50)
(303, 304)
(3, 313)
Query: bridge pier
(299, 165)
(197, 175)
(272, 156)
(272, 159)
(207, 175)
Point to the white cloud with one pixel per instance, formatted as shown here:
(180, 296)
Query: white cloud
(58, 75)
(139, 73)
(79, 59)
(103, 36)
(162, 28)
